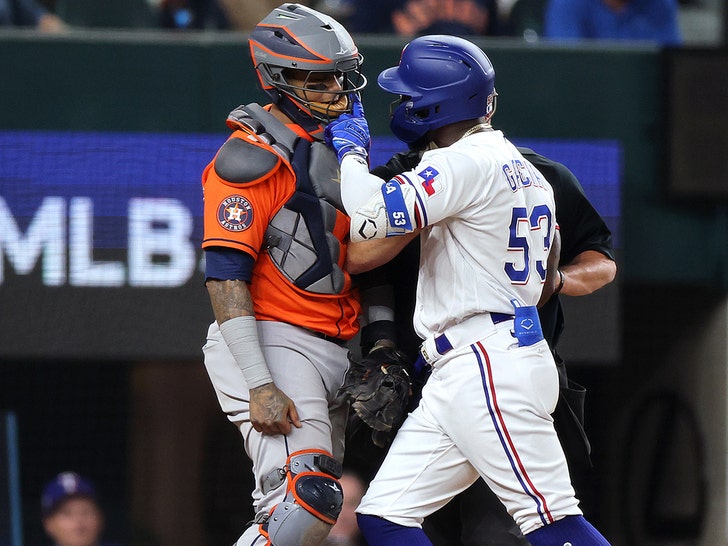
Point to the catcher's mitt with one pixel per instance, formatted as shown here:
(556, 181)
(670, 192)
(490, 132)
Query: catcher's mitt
(379, 389)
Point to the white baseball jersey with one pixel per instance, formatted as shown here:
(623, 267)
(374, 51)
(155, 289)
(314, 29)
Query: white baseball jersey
(488, 217)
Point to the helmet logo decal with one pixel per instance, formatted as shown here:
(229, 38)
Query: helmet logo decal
(429, 181)
(235, 213)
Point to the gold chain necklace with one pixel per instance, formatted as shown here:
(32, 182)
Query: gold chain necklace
(476, 128)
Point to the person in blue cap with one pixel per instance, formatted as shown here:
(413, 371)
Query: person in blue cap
(71, 512)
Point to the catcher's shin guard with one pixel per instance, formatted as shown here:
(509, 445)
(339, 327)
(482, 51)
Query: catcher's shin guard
(312, 503)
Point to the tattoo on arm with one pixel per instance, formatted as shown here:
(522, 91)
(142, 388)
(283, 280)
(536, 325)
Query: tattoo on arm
(230, 299)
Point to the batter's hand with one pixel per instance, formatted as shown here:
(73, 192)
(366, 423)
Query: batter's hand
(349, 133)
(271, 411)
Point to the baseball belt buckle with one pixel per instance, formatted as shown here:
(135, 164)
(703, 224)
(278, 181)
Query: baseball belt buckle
(426, 356)
(434, 348)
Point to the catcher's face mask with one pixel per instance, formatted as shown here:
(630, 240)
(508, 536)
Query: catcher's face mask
(300, 39)
(322, 93)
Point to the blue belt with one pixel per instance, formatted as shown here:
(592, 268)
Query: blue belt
(443, 345)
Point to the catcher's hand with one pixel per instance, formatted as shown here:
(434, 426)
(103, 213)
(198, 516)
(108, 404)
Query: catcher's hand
(379, 388)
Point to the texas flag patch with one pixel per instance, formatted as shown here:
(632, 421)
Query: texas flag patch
(429, 181)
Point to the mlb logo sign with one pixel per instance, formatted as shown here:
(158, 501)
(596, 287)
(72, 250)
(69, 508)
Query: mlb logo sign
(429, 181)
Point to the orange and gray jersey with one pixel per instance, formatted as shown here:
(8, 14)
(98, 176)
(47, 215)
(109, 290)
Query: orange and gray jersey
(272, 193)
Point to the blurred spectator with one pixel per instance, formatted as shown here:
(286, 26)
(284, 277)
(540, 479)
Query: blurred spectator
(192, 15)
(525, 19)
(71, 512)
(30, 13)
(115, 13)
(245, 14)
(653, 20)
(346, 530)
(417, 17)
(338, 9)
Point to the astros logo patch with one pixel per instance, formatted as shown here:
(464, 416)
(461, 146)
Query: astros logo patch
(235, 213)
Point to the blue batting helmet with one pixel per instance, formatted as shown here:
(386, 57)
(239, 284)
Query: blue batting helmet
(441, 80)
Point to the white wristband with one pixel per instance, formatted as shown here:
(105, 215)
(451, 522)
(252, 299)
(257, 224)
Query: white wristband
(241, 336)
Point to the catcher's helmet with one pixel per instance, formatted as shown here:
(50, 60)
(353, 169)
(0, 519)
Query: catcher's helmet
(441, 80)
(296, 37)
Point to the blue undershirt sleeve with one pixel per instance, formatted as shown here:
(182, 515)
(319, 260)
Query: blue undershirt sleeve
(228, 264)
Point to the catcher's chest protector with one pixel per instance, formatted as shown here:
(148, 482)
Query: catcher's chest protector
(300, 239)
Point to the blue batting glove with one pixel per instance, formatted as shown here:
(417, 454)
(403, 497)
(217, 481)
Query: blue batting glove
(349, 133)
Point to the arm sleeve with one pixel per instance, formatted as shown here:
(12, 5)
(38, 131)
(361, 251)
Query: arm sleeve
(376, 209)
(357, 184)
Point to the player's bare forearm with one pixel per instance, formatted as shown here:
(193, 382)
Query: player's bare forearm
(367, 255)
(271, 410)
(588, 272)
(229, 299)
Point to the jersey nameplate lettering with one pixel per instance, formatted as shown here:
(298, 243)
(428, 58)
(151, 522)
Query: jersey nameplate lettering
(521, 174)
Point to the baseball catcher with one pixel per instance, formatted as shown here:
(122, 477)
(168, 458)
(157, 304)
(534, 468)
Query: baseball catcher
(379, 389)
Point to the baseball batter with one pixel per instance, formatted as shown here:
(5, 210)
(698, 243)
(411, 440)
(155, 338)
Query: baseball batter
(487, 222)
(275, 242)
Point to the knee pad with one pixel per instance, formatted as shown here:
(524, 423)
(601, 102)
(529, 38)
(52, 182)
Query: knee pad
(313, 500)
